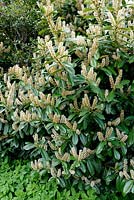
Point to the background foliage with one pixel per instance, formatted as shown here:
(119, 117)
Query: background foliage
(18, 31)
(72, 109)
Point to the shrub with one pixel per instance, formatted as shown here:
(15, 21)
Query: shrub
(74, 106)
(19, 29)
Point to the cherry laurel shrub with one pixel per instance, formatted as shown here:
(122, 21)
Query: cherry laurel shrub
(73, 109)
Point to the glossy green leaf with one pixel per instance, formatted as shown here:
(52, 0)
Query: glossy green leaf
(29, 146)
(108, 108)
(93, 63)
(128, 186)
(79, 79)
(62, 182)
(119, 185)
(124, 149)
(100, 115)
(100, 122)
(44, 154)
(83, 139)
(111, 96)
(132, 190)
(97, 55)
(75, 139)
(22, 125)
(83, 167)
(94, 87)
(130, 140)
(131, 59)
(69, 67)
(79, 172)
(116, 154)
(100, 147)
(6, 128)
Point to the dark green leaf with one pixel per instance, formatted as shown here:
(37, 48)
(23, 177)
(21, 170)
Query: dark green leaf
(100, 147)
(62, 182)
(63, 129)
(116, 154)
(84, 116)
(124, 149)
(83, 139)
(100, 122)
(97, 165)
(130, 140)
(111, 96)
(107, 72)
(100, 115)
(85, 123)
(94, 87)
(131, 59)
(79, 172)
(0, 126)
(83, 167)
(71, 79)
(44, 154)
(90, 167)
(49, 126)
(120, 184)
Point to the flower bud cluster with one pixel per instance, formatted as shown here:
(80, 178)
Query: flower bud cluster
(83, 153)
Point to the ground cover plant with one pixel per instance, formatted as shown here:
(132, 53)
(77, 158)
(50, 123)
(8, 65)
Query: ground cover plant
(72, 110)
(18, 182)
